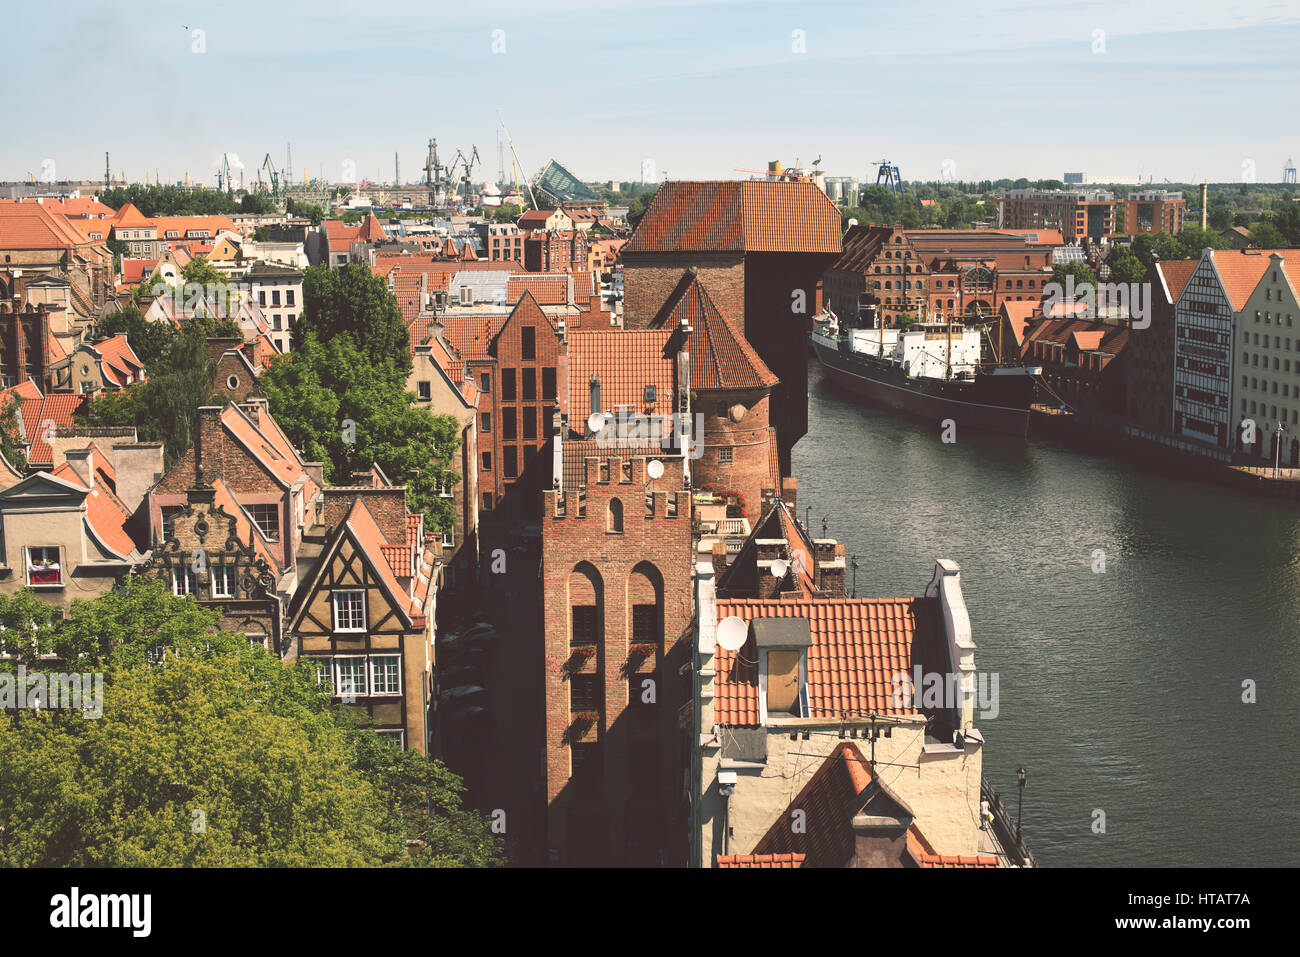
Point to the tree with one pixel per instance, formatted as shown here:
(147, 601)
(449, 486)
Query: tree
(149, 340)
(208, 752)
(1147, 246)
(356, 303)
(201, 271)
(323, 385)
(1125, 267)
(10, 446)
(1081, 272)
(1264, 235)
(1194, 240)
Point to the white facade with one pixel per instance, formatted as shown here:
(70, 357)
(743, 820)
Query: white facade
(923, 354)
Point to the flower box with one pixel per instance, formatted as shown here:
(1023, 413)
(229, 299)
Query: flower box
(44, 575)
(641, 649)
(586, 717)
(584, 651)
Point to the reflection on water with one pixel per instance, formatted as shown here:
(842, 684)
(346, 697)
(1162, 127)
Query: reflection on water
(1120, 691)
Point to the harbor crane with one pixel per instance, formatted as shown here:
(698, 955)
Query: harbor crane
(272, 173)
(888, 176)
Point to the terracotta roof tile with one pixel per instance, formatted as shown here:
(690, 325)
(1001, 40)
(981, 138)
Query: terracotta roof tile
(626, 360)
(105, 513)
(761, 860)
(859, 644)
(721, 356)
(754, 216)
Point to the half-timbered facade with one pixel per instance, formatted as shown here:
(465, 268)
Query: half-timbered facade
(365, 614)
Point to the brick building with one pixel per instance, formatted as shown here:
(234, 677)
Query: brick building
(557, 250)
(760, 248)
(1076, 213)
(28, 349)
(616, 561)
(1154, 211)
(928, 273)
(1149, 366)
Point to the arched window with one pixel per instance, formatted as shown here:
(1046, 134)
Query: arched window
(615, 516)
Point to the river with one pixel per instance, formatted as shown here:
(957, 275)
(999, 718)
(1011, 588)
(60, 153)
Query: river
(1120, 690)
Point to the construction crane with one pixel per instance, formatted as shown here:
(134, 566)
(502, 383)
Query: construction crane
(467, 166)
(224, 180)
(515, 164)
(272, 173)
(789, 175)
(887, 175)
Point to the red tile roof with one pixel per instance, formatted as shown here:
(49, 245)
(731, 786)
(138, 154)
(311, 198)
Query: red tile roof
(721, 356)
(128, 215)
(1242, 269)
(761, 860)
(29, 225)
(627, 360)
(754, 216)
(105, 513)
(858, 646)
(549, 289)
(1175, 273)
(39, 413)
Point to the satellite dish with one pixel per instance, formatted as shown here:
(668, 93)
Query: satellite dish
(732, 632)
(780, 567)
(596, 421)
(655, 469)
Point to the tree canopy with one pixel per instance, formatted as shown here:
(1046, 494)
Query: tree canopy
(355, 303)
(207, 751)
(339, 407)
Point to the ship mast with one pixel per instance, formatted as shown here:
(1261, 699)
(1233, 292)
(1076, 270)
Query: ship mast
(948, 356)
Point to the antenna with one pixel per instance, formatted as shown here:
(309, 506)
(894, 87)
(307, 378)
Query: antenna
(780, 568)
(655, 469)
(732, 633)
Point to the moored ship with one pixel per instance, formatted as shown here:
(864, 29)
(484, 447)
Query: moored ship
(934, 370)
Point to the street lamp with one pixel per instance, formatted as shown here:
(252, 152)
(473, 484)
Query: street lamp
(1277, 451)
(1020, 773)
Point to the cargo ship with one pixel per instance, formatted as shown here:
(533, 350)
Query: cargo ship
(934, 370)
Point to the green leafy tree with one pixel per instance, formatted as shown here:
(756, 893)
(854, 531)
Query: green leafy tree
(201, 271)
(1125, 266)
(149, 340)
(1082, 273)
(207, 752)
(1149, 245)
(10, 446)
(1194, 240)
(356, 303)
(322, 386)
(1264, 235)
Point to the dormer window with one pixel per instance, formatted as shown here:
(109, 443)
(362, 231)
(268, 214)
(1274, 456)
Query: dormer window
(782, 645)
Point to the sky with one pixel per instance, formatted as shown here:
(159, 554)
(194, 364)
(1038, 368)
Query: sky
(1186, 91)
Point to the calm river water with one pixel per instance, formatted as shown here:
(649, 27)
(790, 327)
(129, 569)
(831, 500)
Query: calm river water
(1119, 691)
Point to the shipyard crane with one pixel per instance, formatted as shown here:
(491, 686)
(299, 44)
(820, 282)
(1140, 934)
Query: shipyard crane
(272, 173)
(515, 164)
(887, 175)
(224, 180)
(467, 168)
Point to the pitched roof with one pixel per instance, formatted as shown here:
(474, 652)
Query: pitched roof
(1175, 273)
(38, 412)
(28, 225)
(721, 357)
(128, 215)
(1242, 269)
(751, 215)
(858, 646)
(105, 513)
(731, 861)
(626, 360)
(368, 536)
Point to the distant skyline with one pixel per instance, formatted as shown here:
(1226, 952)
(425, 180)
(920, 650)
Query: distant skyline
(1192, 91)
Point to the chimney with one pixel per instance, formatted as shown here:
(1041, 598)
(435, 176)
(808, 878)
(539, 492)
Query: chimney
(594, 385)
(1205, 194)
(82, 462)
(208, 431)
(137, 468)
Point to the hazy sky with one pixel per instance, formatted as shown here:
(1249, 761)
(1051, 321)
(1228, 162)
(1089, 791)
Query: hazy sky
(1187, 90)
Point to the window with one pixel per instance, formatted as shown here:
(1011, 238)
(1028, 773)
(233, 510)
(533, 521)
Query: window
(487, 461)
(507, 385)
(510, 461)
(267, 519)
(530, 422)
(588, 761)
(425, 391)
(586, 693)
(783, 681)
(487, 501)
(288, 299)
(324, 671)
(43, 566)
(184, 581)
(351, 676)
(448, 539)
(530, 385)
(724, 454)
(548, 385)
(397, 737)
(485, 422)
(586, 625)
(615, 524)
(169, 513)
(223, 581)
(508, 424)
(485, 382)
(528, 343)
(275, 297)
(645, 625)
(385, 674)
(349, 611)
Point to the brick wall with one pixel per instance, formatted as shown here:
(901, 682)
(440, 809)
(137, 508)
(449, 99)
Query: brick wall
(387, 505)
(649, 278)
(583, 562)
(747, 440)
